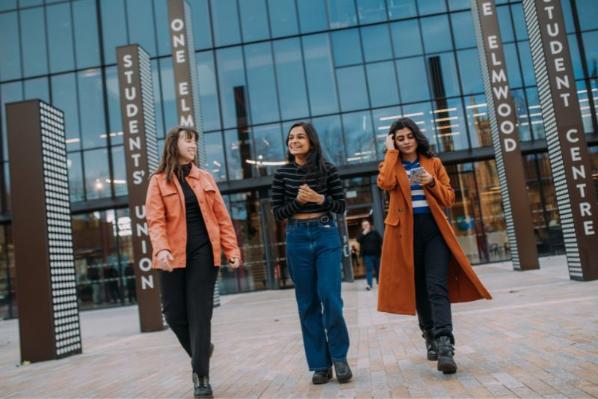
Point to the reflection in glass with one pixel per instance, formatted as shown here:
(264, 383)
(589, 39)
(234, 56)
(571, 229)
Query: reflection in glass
(208, 91)
(86, 33)
(225, 22)
(478, 120)
(346, 47)
(359, 136)
(254, 20)
(331, 138)
(431, 6)
(319, 71)
(470, 71)
(283, 18)
(37, 88)
(290, 76)
(230, 75)
(201, 24)
(10, 67)
(413, 81)
(119, 182)
(352, 88)
(141, 25)
(401, 8)
(97, 174)
(504, 23)
(462, 23)
(435, 33)
(91, 97)
(269, 151)
(74, 164)
(215, 155)
(64, 97)
(341, 13)
(376, 43)
(263, 100)
(114, 29)
(450, 125)
(114, 116)
(382, 84)
(312, 15)
(383, 118)
(370, 11)
(60, 38)
(406, 38)
(35, 61)
(168, 94)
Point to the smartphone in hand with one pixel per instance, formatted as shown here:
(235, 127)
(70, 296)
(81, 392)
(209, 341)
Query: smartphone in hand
(414, 175)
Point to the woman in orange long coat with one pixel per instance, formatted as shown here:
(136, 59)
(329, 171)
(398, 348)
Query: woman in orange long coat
(423, 267)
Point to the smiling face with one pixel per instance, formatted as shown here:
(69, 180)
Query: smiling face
(298, 142)
(187, 147)
(405, 141)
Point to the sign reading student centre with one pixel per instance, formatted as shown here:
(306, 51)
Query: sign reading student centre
(141, 155)
(567, 149)
(505, 138)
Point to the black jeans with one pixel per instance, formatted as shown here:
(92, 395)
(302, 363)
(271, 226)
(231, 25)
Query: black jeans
(431, 261)
(187, 303)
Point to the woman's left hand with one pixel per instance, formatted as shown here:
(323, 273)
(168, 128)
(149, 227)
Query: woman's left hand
(234, 262)
(425, 178)
(310, 195)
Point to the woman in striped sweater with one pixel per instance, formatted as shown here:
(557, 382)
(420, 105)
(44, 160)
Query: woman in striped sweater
(423, 266)
(306, 192)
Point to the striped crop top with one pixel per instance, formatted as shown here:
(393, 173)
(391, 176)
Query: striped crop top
(418, 198)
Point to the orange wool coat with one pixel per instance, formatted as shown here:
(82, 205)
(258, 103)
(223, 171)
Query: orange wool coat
(396, 293)
(165, 212)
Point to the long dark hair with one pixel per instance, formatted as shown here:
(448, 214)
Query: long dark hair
(315, 163)
(169, 163)
(423, 145)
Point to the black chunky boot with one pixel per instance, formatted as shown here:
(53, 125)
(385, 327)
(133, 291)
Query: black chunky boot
(201, 386)
(446, 350)
(343, 371)
(321, 376)
(431, 345)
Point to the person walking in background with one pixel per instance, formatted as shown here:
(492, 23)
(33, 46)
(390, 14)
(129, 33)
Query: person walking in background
(370, 244)
(423, 266)
(305, 192)
(189, 228)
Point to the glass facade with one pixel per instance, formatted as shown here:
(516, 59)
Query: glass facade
(349, 66)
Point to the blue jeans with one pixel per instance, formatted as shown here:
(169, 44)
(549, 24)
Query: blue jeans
(372, 264)
(314, 259)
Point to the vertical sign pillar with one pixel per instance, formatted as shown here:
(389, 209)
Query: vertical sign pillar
(505, 137)
(42, 232)
(185, 70)
(567, 149)
(141, 156)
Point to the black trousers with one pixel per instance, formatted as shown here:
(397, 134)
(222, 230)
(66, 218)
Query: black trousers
(431, 261)
(187, 303)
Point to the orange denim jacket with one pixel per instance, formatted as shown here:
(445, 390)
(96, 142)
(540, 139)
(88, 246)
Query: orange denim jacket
(165, 212)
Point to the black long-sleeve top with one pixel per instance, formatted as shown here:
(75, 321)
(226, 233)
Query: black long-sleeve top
(285, 186)
(197, 233)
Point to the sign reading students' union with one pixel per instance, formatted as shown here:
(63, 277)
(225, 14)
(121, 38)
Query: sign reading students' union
(567, 149)
(505, 138)
(137, 108)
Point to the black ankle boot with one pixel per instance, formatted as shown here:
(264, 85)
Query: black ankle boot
(343, 371)
(446, 350)
(431, 345)
(201, 386)
(321, 376)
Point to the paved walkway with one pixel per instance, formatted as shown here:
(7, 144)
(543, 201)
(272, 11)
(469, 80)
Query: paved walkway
(537, 338)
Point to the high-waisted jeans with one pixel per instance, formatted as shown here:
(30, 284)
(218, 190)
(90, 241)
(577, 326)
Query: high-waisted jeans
(314, 260)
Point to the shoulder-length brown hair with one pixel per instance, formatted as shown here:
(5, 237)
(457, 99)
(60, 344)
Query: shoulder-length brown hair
(169, 163)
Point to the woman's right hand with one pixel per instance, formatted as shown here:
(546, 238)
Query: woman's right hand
(164, 260)
(390, 142)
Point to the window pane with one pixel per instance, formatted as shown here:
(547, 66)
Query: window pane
(231, 75)
(445, 82)
(10, 60)
(74, 164)
(588, 14)
(312, 15)
(114, 28)
(215, 155)
(262, 87)
(60, 38)
(471, 71)
(8, 5)
(430, 6)
(413, 82)
(114, 115)
(535, 120)
(401, 8)
(376, 43)
(346, 47)
(162, 29)
(406, 38)
(359, 137)
(86, 33)
(331, 138)
(462, 28)
(478, 121)
(371, 11)
(383, 118)
(382, 84)
(521, 111)
(505, 24)
(208, 92)
(91, 98)
(320, 78)
(590, 41)
(519, 21)
(168, 95)
(119, 169)
(157, 99)
(450, 125)
(341, 13)
(283, 18)
(527, 65)
(37, 88)
(576, 57)
(225, 22)
(436, 34)
(34, 50)
(201, 25)
(513, 72)
(97, 175)
(141, 25)
(352, 88)
(30, 3)
(290, 78)
(459, 4)
(9, 92)
(268, 147)
(64, 97)
(254, 20)
(233, 153)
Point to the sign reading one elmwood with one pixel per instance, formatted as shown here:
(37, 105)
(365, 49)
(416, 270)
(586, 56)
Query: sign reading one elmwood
(141, 156)
(505, 137)
(567, 149)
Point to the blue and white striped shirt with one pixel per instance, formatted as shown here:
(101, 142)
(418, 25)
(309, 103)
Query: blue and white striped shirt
(418, 198)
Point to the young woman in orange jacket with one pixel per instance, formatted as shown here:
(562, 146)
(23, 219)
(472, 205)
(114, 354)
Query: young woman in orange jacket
(189, 228)
(423, 267)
